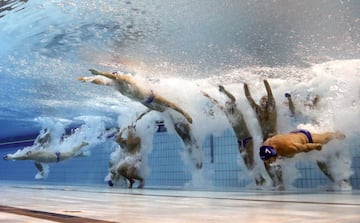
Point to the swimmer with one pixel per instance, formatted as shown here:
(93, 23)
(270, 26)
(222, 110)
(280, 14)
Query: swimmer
(130, 166)
(323, 164)
(308, 105)
(266, 115)
(244, 138)
(128, 86)
(288, 145)
(299, 141)
(39, 153)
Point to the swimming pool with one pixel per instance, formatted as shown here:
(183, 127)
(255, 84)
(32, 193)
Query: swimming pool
(179, 50)
(223, 168)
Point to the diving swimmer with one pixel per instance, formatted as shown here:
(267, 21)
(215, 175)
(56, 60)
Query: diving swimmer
(290, 144)
(128, 86)
(130, 166)
(244, 138)
(42, 156)
(266, 114)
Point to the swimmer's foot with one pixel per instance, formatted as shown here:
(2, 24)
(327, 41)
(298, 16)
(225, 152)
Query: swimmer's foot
(141, 185)
(260, 181)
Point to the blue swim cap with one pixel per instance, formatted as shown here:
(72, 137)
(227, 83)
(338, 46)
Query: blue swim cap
(111, 184)
(266, 152)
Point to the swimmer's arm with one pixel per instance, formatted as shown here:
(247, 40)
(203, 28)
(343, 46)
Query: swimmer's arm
(124, 83)
(118, 77)
(269, 93)
(249, 98)
(228, 94)
(209, 97)
(102, 73)
(95, 80)
(291, 104)
(119, 138)
(314, 102)
(142, 114)
(307, 147)
(213, 100)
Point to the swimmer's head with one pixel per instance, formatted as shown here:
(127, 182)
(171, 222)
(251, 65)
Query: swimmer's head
(264, 102)
(267, 154)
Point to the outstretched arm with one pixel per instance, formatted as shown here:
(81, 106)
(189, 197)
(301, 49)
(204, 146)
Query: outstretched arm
(307, 147)
(99, 80)
(291, 104)
(142, 115)
(113, 76)
(249, 98)
(213, 100)
(126, 84)
(119, 139)
(271, 98)
(228, 94)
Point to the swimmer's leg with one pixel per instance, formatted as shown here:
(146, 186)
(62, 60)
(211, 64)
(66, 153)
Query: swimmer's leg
(275, 173)
(326, 137)
(43, 171)
(339, 181)
(246, 149)
(195, 153)
(325, 169)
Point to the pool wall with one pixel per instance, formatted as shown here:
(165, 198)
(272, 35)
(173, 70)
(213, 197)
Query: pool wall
(222, 168)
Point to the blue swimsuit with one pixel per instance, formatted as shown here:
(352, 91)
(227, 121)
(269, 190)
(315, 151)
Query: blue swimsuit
(244, 141)
(306, 133)
(57, 156)
(149, 99)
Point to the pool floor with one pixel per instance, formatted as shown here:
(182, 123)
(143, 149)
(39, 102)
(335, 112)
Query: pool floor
(53, 203)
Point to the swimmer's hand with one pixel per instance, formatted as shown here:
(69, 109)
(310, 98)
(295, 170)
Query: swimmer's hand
(221, 88)
(81, 79)
(94, 72)
(205, 94)
(318, 147)
(188, 117)
(94, 80)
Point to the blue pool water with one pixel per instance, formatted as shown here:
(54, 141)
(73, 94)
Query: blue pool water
(179, 49)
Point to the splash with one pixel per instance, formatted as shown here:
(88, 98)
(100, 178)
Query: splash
(55, 144)
(181, 55)
(336, 83)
